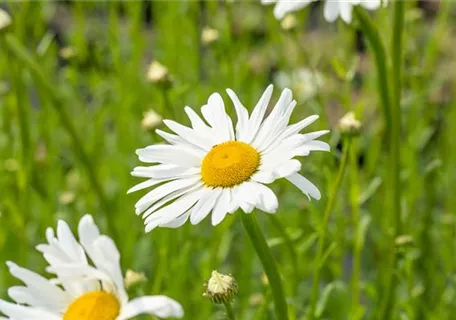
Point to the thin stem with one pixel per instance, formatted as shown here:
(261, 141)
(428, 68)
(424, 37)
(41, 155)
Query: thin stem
(270, 267)
(229, 311)
(395, 157)
(323, 229)
(378, 48)
(357, 247)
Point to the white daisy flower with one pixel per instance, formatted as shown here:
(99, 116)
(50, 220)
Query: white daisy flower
(89, 283)
(211, 167)
(333, 9)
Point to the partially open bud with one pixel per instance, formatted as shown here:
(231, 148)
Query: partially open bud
(67, 53)
(349, 125)
(157, 73)
(289, 22)
(209, 35)
(221, 288)
(133, 278)
(5, 20)
(150, 120)
(404, 240)
(67, 197)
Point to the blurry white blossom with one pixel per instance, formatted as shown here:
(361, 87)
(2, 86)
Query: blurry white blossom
(209, 35)
(157, 72)
(349, 125)
(133, 278)
(150, 120)
(289, 22)
(5, 19)
(333, 9)
(304, 82)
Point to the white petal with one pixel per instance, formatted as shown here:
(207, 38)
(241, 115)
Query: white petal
(160, 306)
(258, 115)
(190, 135)
(197, 123)
(173, 211)
(331, 10)
(18, 312)
(170, 197)
(39, 287)
(371, 4)
(242, 115)
(284, 7)
(304, 185)
(164, 171)
(269, 125)
(204, 205)
(168, 154)
(218, 119)
(346, 11)
(221, 208)
(158, 193)
(267, 200)
(178, 222)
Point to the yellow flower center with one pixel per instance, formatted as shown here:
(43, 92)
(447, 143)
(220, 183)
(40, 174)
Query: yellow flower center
(229, 164)
(95, 305)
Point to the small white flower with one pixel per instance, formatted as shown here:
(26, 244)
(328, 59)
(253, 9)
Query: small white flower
(211, 167)
(332, 8)
(5, 19)
(305, 82)
(88, 284)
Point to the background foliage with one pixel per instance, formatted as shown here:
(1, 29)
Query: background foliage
(71, 112)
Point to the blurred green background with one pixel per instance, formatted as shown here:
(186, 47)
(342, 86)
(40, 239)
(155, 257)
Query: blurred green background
(74, 93)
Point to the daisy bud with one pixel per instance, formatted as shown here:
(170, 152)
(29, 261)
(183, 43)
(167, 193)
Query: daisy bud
(221, 288)
(289, 22)
(67, 197)
(157, 73)
(209, 36)
(150, 120)
(67, 53)
(133, 278)
(5, 19)
(349, 125)
(404, 240)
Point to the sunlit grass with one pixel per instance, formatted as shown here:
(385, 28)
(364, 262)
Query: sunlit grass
(71, 121)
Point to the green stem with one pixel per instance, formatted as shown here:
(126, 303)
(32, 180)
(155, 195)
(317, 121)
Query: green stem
(229, 311)
(323, 228)
(354, 199)
(378, 48)
(270, 267)
(395, 157)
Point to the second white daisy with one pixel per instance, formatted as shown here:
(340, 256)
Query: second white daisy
(333, 9)
(81, 291)
(212, 168)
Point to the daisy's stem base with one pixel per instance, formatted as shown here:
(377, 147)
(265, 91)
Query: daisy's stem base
(229, 311)
(269, 265)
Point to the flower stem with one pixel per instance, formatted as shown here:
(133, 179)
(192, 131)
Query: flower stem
(270, 267)
(229, 311)
(378, 48)
(395, 158)
(323, 228)
(357, 243)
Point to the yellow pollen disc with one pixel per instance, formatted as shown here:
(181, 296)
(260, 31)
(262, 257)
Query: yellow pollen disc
(229, 164)
(95, 305)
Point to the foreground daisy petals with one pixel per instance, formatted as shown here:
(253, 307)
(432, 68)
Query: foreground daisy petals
(81, 290)
(213, 168)
(332, 10)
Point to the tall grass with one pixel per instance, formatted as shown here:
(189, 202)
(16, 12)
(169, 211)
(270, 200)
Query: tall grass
(69, 127)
